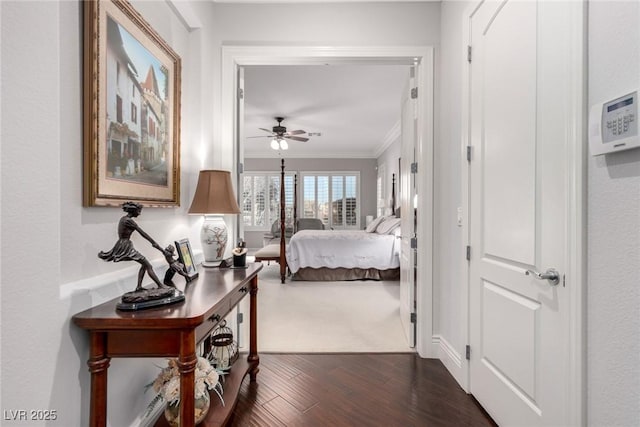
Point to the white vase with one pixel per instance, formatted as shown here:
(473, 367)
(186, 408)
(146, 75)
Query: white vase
(213, 237)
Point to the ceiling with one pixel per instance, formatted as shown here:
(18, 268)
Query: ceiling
(355, 108)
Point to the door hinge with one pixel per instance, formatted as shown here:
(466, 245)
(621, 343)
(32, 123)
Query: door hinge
(240, 317)
(414, 243)
(414, 167)
(240, 93)
(469, 53)
(468, 153)
(467, 352)
(240, 167)
(414, 93)
(468, 253)
(414, 318)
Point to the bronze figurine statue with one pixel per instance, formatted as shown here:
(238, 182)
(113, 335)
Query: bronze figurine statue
(123, 250)
(174, 267)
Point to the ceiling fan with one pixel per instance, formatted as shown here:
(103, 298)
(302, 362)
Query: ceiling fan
(279, 135)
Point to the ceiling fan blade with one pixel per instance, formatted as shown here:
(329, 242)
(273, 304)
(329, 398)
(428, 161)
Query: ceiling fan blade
(266, 130)
(296, 132)
(296, 138)
(260, 136)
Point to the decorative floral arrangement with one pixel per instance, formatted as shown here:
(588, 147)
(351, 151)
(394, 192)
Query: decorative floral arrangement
(167, 384)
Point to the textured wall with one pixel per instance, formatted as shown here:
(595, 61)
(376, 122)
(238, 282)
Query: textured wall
(613, 310)
(449, 285)
(49, 241)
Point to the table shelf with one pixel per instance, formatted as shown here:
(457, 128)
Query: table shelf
(173, 331)
(218, 414)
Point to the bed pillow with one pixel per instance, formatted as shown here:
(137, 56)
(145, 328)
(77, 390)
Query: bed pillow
(374, 224)
(388, 226)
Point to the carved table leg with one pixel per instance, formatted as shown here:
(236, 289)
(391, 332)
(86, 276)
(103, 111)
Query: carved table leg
(187, 361)
(98, 366)
(253, 358)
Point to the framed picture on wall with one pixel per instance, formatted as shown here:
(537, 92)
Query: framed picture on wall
(131, 109)
(185, 257)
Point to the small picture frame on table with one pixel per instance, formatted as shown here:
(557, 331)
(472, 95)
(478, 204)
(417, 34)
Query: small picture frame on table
(185, 256)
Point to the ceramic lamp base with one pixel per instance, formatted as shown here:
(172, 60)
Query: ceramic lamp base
(211, 264)
(213, 237)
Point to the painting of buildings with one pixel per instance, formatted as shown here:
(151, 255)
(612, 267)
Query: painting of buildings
(137, 106)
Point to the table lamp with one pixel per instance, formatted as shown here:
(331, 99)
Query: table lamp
(213, 198)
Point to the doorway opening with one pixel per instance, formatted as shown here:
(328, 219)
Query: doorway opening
(236, 57)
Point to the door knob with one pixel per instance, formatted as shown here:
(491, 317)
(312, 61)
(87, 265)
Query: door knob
(551, 275)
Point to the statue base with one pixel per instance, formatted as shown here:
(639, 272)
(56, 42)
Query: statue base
(148, 298)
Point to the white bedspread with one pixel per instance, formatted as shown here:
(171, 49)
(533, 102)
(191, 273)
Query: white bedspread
(342, 248)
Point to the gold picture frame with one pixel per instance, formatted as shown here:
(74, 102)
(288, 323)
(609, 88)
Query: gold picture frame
(131, 109)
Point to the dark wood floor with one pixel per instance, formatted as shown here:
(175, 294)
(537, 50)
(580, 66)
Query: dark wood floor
(355, 390)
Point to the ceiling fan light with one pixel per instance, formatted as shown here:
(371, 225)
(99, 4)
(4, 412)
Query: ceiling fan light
(274, 144)
(283, 144)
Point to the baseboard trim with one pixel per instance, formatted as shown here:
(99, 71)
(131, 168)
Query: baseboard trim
(454, 361)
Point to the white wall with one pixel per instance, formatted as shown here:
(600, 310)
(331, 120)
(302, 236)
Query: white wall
(49, 242)
(449, 285)
(613, 309)
(334, 24)
(389, 161)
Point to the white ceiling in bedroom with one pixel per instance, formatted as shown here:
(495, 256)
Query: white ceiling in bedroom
(355, 108)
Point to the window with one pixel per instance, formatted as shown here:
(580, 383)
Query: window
(261, 199)
(152, 128)
(118, 109)
(334, 197)
(134, 113)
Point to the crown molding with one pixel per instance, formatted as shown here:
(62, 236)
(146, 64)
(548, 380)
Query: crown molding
(391, 136)
(185, 12)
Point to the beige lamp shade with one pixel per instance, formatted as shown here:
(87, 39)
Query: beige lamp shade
(214, 194)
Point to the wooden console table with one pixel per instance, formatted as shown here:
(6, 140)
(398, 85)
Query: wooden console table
(174, 331)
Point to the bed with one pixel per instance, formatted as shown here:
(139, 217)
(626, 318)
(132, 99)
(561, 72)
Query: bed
(327, 255)
(333, 255)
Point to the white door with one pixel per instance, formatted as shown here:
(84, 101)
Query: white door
(519, 134)
(407, 212)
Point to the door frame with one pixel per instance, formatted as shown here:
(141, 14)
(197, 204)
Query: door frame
(576, 219)
(245, 55)
(407, 179)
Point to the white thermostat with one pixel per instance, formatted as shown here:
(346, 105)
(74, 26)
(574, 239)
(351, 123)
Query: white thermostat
(613, 125)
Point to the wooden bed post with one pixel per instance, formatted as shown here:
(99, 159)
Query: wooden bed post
(283, 227)
(295, 203)
(393, 194)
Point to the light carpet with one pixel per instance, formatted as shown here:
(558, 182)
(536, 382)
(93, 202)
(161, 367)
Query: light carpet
(328, 317)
